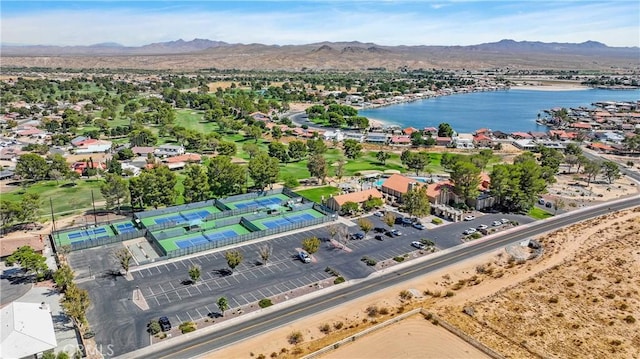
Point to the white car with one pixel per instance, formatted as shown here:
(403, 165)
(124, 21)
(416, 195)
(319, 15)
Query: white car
(378, 214)
(497, 223)
(304, 257)
(482, 226)
(469, 218)
(469, 231)
(418, 245)
(505, 221)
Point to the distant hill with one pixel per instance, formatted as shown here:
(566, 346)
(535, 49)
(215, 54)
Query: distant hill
(353, 55)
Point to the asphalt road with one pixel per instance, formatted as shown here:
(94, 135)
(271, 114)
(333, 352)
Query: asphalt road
(234, 333)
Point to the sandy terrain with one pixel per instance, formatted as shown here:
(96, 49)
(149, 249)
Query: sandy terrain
(413, 337)
(572, 188)
(471, 282)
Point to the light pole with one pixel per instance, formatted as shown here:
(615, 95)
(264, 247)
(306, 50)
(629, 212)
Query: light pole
(90, 272)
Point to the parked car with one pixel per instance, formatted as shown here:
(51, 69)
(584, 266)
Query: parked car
(469, 218)
(497, 223)
(505, 221)
(396, 232)
(359, 235)
(469, 231)
(406, 221)
(482, 226)
(541, 201)
(548, 204)
(418, 245)
(378, 214)
(304, 257)
(389, 234)
(419, 226)
(379, 237)
(399, 220)
(379, 230)
(165, 324)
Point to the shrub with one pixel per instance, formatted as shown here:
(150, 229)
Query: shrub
(274, 355)
(260, 356)
(295, 338)
(332, 271)
(338, 280)
(436, 221)
(384, 311)
(553, 299)
(368, 261)
(476, 235)
(154, 327)
(427, 242)
(325, 328)
(406, 295)
(449, 294)
(398, 259)
(372, 311)
(266, 302)
(187, 327)
(630, 319)
(338, 325)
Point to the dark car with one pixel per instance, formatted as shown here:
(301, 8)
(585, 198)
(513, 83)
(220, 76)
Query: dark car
(358, 235)
(380, 238)
(548, 204)
(388, 234)
(399, 220)
(215, 315)
(165, 324)
(379, 230)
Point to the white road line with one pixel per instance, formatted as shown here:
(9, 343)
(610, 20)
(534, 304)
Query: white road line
(245, 276)
(152, 293)
(253, 274)
(208, 310)
(157, 302)
(197, 311)
(243, 298)
(190, 317)
(139, 273)
(198, 288)
(237, 304)
(168, 299)
(207, 284)
(159, 271)
(175, 265)
(179, 320)
(172, 287)
(149, 270)
(178, 294)
(269, 290)
(254, 297)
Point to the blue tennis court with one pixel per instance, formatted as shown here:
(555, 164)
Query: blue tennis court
(299, 218)
(274, 223)
(125, 227)
(195, 215)
(177, 218)
(220, 235)
(268, 201)
(87, 233)
(190, 242)
(243, 205)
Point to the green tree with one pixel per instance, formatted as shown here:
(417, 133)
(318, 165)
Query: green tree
(352, 148)
(317, 166)
(382, 157)
(611, 171)
(158, 186)
(316, 146)
(75, 304)
(196, 184)
(350, 207)
(264, 170)
(30, 261)
(115, 190)
(194, 272)
(63, 277)
(58, 166)
(573, 149)
(311, 244)
(365, 225)
(297, 150)
(279, 150)
(276, 133)
(591, 169)
(372, 203)
(466, 179)
(226, 148)
(32, 167)
(416, 202)
(445, 130)
(254, 132)
(123, 258)
(225, 178)
(28, 208)
(417, 161)
(389, 219)
(233, 257)
(142, 137)
(223, 305)
(251, 149)
(339, 168)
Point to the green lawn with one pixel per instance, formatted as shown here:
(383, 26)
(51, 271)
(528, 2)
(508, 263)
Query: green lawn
(315, 194)
(539, 213)
(64, 196)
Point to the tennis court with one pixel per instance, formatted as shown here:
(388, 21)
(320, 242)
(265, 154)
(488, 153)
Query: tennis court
(276, 199)
(87, 234)
(203, 237)
(180, 218)
(124, 227)
(286, 220)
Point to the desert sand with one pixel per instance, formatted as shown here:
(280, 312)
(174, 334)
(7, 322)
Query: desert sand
(495, 283)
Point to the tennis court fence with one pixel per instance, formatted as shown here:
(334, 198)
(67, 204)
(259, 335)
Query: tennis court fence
(175, 209)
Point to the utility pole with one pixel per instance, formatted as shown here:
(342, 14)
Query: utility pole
(53, 218)
(95, 216)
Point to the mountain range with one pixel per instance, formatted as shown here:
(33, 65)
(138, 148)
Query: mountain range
(203, 53)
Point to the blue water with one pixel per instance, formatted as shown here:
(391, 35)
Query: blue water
(507, 111)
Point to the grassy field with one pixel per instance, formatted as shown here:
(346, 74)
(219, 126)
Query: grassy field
(539, 213)
(315, 194)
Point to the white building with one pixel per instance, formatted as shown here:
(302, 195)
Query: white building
(93, 146)
(169, 150)
(27, 330)
(334, 135)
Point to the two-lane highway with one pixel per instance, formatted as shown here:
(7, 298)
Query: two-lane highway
(274, 319)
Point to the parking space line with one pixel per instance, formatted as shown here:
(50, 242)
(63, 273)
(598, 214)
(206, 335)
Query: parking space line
(168, 299)
(175, 265)
(207, 284)
(208, 310)
(253, 274)
(269, 290)
(245, 277)
(198, 288)
(178, 294)
(200, 315)
(254, 297)
(237, 304)
(151, 291)
(302, 284)
(234, 277)
(149, 270)
(157, 302)
(190, 317)
(172, 287)
(243, 298)
(138, 274)
(262, 294)
(179, 320)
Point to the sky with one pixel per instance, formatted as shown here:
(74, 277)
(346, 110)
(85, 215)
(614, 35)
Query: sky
(384, 22)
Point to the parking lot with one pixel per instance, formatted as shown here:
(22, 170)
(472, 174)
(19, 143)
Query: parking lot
(167, 292)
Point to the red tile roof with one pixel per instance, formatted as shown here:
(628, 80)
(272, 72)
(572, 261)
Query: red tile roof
(357, 197)
(399, 183)
(187, 157)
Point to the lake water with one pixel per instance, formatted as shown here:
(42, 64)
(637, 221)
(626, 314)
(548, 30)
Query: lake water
(507, 111)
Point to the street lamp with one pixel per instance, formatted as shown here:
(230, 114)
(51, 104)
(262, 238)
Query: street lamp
(90, 272)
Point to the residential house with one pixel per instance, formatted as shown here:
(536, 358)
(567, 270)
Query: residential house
(483, 131)
(463, 140)
(93, 146)
(81, 166)
(10, 154)
(336, 135)
(500, 135)
(409, 130)
(525, 145)
(395, 186)
(601, 147)
(400, 141)
(537, 135)
(581, 126)
(377, 137)
(481, 140)
(336, 202)
(521, 136)
(181, 161)
(430, 131)
(441, 192)
(27, 330)
(142, 151)
(169, 150)
(354, 136)
(77, 141)
(443, 141)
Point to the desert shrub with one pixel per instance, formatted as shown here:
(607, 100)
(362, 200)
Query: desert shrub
(553, 299)
(398, 259)
(274, 355)
(284, 350)
(372, 310)
(480, 269)
(476, 235)
(436, 221)
(630, 319)
(325, 328)
(260, 356)
(427, 242)
(187, 327)
(295, 338)
(369, 261)
(332, 271)
(616, 342)
(296, 351)
(449, 294)
(436, 293)
(338, 325)
(406, 295)
(384, 311)
(266, 302)
(154, 327)
(338, 280)
(590, 277)
(610, 295)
